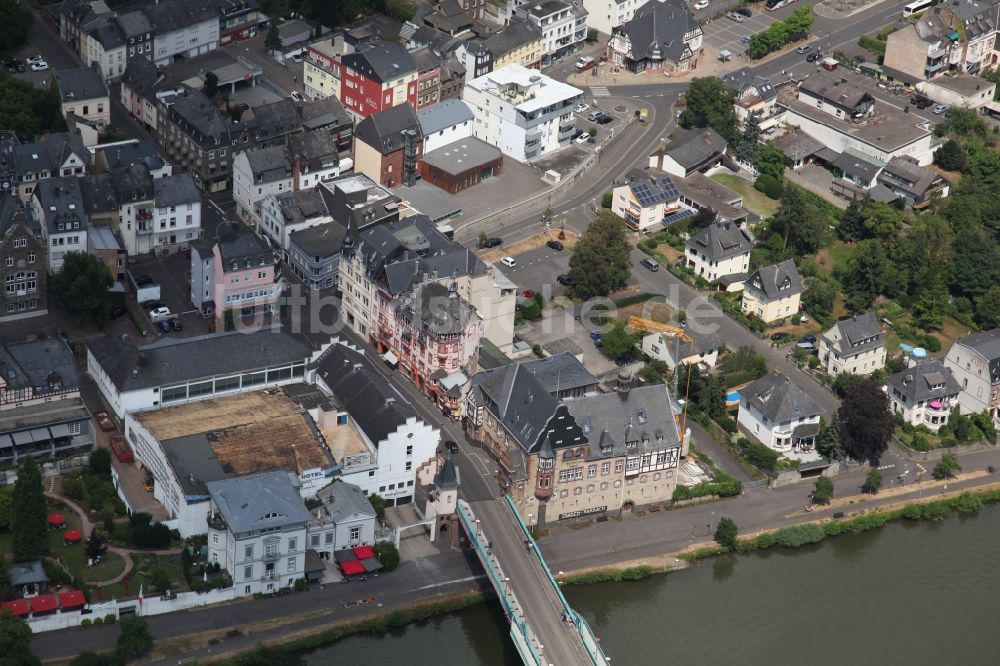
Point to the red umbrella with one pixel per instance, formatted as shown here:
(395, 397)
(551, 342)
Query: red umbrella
(57, 519)
(72, 536)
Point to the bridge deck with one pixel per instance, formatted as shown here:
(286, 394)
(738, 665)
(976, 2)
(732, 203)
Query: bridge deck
(541, 607)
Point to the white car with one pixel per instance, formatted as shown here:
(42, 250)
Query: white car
(508, 262)
(583, 138)
(297, 96)
(581, 107)
(939, 109)
(33, 59)
(701, 4)
(39, 66)
(733, 16)
(159, 313)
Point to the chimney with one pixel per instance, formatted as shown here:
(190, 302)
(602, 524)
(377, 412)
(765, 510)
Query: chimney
(296, 173)
(389, 401)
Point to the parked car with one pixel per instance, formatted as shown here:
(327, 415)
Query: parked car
(39, 66)
(528, 293)
(159, 312)
(163, 325)
(813, 57)
(297, 96)
(117, 313)
(808, 338)
(733, 16)
(805, 48)
(701, 4)
(940, 109)
(493, 242)
(152, 305)
(175, 324)
(583, 138)
(861, 59)
(743, 11)
(804, 344)
(509, 262)
(779, 336)
(921, 102)
(451, 446)
(604, 119)
(650, 264)
(566, 279)
(581, 107)
(33, 59)
(586, 62)
(594, 115)
(555, 245)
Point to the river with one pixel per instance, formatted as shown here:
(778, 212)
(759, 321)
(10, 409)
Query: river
(910, 593)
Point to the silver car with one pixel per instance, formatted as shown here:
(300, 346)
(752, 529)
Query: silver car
(733, 16)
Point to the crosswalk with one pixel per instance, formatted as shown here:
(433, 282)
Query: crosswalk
(890, 466)
(600, 91)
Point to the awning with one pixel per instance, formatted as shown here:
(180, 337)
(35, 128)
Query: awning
(40, 435)
(18, 607)
(57, 519)
(344, 555)
(390, 358)
(6, 442)
(805, 431)
(45, 603)
(371, 564)
(22, 437)
(61, 430)
(71, 599)
(72, 536)
(352, 567)
(364, 552)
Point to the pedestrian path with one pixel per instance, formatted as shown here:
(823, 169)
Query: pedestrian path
(600, 91)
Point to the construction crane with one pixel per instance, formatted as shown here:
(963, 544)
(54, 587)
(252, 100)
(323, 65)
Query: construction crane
(678, 334)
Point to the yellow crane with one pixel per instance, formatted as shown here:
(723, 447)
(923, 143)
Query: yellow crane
(650, 326)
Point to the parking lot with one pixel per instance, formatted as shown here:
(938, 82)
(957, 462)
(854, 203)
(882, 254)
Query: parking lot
(725, 34)
(170, 272)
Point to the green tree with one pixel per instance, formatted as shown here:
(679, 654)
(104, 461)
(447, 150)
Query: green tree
(771, 160)
(600, 260)
(881, 220)
(931, 301)
(951, 156)
(873, 482)
(618, 342)
(14, 26)
(988, 309)
(28, 110)
(828, 442)
(100, 463)
(134, 639)
(211, 84)
(852, 221)
(654, 372)
(865, 277)
(823, 490)
(15, 642)
(749, 146)
(82, 285)
(745, 361)
(975, 263)
(387, 555)
(272, 41)
(798, 222)
(865, 422)
(710, 104)
(6, 504)
(160, 580)
(29, 520)
(726, 533)
(818, 297)
(378, 503)
(947, 467)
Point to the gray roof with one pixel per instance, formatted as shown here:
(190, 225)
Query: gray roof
(274, 120)
(258, 502)
(432, 307)
(48, 153)
(132, 183)
(830, 88)
(173, 360)
(80, 84)
(797, 145)
(525, 408)
(140, 74)
(301, 205)
(905, 173)
(443, 115)
(462, 155)
(210, 126)
(987, 345)
(511, 38)
(103, 238)
(323, 240)
(556, 373)
(616, 422)
(108, 33)
(369, 398)
(743, 79)
(656, 30)
(722, 240)
(779, 399)
(382, 61)
(134, 24)
(13, 210)
(344, 500)
(61, 203)
(696, 149)
(43, 365)
(652, 187)
(776, 280)
(176, 190)
(269, 164)
(447, 476)
(167, 17)
(317, 149)
(142, 151)
(929, 380)
(27, 573)
(241, 248)
(542, 9)
(98, 194)
(325, 112)
(384, 130)
(859, 333)
(858, 164)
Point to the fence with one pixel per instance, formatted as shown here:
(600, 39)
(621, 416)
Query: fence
(935, 454)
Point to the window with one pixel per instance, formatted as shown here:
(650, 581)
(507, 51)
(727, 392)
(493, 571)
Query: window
(248, 572)
(9, 261)
(574, 474)
(329, 538)
(291, 564)
(270, 549)
(314, 540)
(215, 538)
(605, 468)
(74, 428)
(248, 552)
(591, 471)
(355, 533)
(293, 545)
(409, 465)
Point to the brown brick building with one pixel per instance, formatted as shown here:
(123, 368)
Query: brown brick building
(22, 263)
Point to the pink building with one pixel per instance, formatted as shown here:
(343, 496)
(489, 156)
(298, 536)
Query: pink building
(239, 277)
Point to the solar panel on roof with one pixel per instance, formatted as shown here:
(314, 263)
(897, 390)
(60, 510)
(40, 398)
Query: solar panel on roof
(667, 187)
(679, 215)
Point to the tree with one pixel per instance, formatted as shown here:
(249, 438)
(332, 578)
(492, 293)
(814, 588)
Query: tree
(951, 156)
(387, 554)
(852, 221)
(931, 301)
(947, 467)
(865, 277)
(82, 285)
(29, 521)
(865, 422)
(823, 490)
(15, 642)
(798, 222)
(771, 161)
(28, 110)
(600, 260)
(134, 639)
(378, 503)
(881, 220)
(143, 533)
(95, 546)
(975, 263)
(710, 104)
(618, 342)
(6, 507)
(272, 41)
(845, 383)
(873, 481)
(749, 146)
(988, 309)
(211, 84)
(726, 533)
(745, 360)
(14, 26)
(160, 580)
(828, 442)
(100, 463)
(818, 297)
(654, 372)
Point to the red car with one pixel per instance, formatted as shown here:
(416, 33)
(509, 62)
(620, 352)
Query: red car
(527, 293)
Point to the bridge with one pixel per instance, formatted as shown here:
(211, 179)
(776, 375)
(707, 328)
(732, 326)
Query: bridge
(546, 631)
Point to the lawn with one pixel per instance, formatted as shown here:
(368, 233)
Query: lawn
(754, 201)
(835, 257)
(141, 576)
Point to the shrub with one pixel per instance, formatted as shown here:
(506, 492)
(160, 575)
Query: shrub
(832, 528)
(606, 197)
(387, 554)
(85, 622)
(98, 621)
(769, 185)
(913, 512)
(813, 362)
(764, 541)
(758, 455)
(110, 618)
(936, 510)
(799, 535)
(968, 503)
(301, 585)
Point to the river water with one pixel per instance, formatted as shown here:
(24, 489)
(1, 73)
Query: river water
(910, 593)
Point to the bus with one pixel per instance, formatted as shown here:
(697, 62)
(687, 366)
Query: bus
(916, 7)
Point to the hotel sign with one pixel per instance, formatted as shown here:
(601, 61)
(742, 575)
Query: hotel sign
(583, 512)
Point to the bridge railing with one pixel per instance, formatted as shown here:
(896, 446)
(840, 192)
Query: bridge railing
(587, 636)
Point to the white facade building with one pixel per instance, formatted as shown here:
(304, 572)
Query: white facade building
(924, 394)
(974, 361)
(523, 113)
(563, 26)
(779, 415)
(606, 15)
(177, 212)
(183, 30)
(855, 346)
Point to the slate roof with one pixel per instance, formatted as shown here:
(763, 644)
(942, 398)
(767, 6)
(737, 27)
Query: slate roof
(384, 130)
(525, 408)
(173, 360)
(559, 372)
(167, 17)
(858, 164)
(743, 79)
(343, 500)
(317, 149)
(134, 24)
(634, 422)
(369, 398)
(382, 61)
(61, 203)
(140, 74)
(721, 241)
(862, 331)
(656, 30)
(142, 151)
(987, 345)
(43, 364)
(269, 164)
(511, 38)
(13, 209)
(779, 399)
(325, 112)
(384, 245)
(904, 173)
(258, 501)
(322, 240)
(48, 153)
(435, 308)
(797, 145)
(132, 183)
(211, 127)
(443, 115)
(242, 249)
(929, 380)
(696, 149)
(27, 573)
(80, 84)
(176, 190)
(274, 120)
(773, 276)
(98, 194)
(301, 205)
(108, 33)
(828, 87)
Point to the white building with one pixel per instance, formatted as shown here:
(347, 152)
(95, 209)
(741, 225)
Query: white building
(444, 123)
(606, 15)
(719, 250)
(924, 394)
(646, 200)
(182, 29)
(703, 349)
(84, 94)
(780, 415)
(975, 363)
(523, 113)
(105, 47)
(57, 204)
(345, 520)
(563, 26)
(855, 345)
(281, 214)
(177, 207)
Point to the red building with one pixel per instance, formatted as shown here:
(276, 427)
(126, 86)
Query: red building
(375, 77)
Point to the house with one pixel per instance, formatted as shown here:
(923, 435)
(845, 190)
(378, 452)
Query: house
(373, 431)
(53, 154)
(772, 293)
(662, 36)
(924, 394)
(720, 249)
(780, 415)
(42, 413)
(345, 519)
(28, 579)
(239, 20)
(858, 172)
(130, 153)
(356, 201)
(292, 211)
(520, 42)
(57, 205)
(700, 193)
(83, 93)
(108, 248)
(257, 531)
(444, 123)
(523, 113)
(953, 36)
(855, 345)
(428, 64)
(646, 199)
(138, 32)
(974, 362)
(182, 29)
(563, 26)
(142, 86)
(104, 48)
(243, 277)
(388, 260)
(329, 115)
(695, 151)
(269, 124)
(189, 446)
(916, 185)
(388, 146)
(961, 90)
(588, 455)
(314, 252)
(752, 94)
(23, 271)
(703, 348)
(175, 371)
(177, 213)
(606, 15)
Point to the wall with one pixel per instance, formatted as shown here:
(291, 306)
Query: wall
(972, 373)
(392, 460)
(368, 160)
(769, 311)
(949, 97)
(97, 110)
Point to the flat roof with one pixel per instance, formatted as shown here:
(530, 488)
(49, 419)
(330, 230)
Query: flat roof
(964, 84)
(224, 65)
(539, 90)
(462, 155)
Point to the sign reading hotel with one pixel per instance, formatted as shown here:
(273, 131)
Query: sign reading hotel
(583, 512)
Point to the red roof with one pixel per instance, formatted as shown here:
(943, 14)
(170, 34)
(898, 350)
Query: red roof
(352, 567)
(364, 552)
(71, 599)
(18, 607)
(43, 603)
(57, 519)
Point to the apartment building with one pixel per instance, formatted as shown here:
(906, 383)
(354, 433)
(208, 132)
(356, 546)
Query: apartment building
(974, 362)
(84, 94)
(57, 205)
(183, 29)
(520, 43)
(773, 292)
(22, 165)
(563, 26)
(719, 250)
(388, 146)
(924, 394)
(23, 268)
(646, 200)
(780, 415)
(855, 345)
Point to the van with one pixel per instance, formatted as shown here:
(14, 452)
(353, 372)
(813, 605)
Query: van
(594, 115)
(508, 262)
(650, 264)
(584, 62)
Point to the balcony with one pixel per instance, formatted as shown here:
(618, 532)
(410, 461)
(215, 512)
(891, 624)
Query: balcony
(144, 229)
(271, 555)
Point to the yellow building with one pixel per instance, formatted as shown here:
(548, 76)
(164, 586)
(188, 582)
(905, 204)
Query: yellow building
(773, 292)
